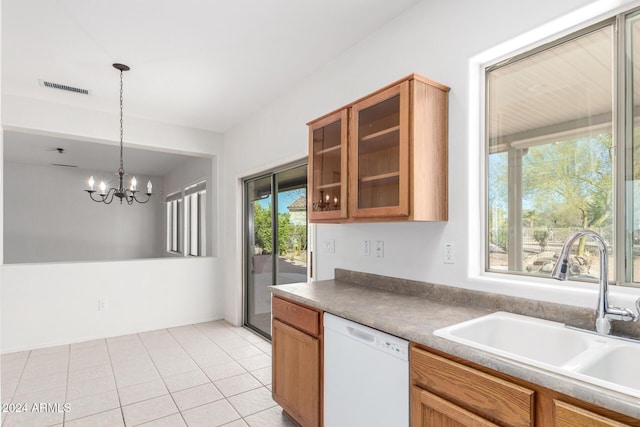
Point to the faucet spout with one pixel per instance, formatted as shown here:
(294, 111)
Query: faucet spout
(604, 313)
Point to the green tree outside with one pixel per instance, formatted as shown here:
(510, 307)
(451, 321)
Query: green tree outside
(291, 238)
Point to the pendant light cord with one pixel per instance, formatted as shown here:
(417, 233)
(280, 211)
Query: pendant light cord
(121, 125)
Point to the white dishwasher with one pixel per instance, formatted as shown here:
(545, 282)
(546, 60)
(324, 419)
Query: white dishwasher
(366, 376)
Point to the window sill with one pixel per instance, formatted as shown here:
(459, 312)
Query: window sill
(579, 294)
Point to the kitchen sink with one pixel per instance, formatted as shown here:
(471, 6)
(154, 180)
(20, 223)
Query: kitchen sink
(598, 359)
(617, 365)
(523, 338)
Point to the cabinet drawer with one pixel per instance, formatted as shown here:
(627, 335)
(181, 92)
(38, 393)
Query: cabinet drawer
(430, 410)
(303, 318)
(483, 394)
(567, 415)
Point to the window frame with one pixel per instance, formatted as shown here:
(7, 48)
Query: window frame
(622, 113)
(195, 195)
(174, 223)
(181, 232)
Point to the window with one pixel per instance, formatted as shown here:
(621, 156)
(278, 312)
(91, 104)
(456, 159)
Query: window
(562, 153)
(186, 221)
(195, 198)
(174, 220)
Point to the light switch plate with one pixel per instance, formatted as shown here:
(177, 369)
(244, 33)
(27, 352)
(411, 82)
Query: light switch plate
(448, 254)
(330, 245)
(366, 247)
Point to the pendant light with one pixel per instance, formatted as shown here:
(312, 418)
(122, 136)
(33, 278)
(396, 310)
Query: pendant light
(131, 193)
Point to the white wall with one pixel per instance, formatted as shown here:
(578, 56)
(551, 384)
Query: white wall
(49, 218)
(442, 41)
(49, 304)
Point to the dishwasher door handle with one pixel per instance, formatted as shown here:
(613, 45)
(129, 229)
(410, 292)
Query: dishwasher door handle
(361, 335)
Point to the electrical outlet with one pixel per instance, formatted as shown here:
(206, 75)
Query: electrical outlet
(330, 245)
(366, 247)
(448, 254)
(380, 248)
(102, 305)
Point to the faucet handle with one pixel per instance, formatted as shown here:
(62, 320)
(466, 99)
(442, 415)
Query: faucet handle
(637, 316)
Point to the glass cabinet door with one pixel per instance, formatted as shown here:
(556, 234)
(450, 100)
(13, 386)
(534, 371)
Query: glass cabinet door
(379, 156)
(328, 167)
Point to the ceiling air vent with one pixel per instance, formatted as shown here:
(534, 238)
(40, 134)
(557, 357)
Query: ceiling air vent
(52, 85)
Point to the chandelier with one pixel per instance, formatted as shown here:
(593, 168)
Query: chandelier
(129, 194)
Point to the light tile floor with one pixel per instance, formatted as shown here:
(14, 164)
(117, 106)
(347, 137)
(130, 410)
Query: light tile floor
(208, 374)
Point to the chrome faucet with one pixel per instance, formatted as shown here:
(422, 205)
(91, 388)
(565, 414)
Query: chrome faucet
(604, 313)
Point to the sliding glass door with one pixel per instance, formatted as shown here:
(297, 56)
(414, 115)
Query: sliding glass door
(275, 239)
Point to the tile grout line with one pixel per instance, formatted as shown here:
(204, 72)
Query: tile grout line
(200, 368)
(66, 384)
(113, 372)
(233, 358)
(24, 367)
(161, 377)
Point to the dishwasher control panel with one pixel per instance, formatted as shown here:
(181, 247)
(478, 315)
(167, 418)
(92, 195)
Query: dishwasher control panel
(400, 349)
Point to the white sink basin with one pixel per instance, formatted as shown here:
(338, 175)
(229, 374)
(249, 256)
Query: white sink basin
(524, 338)
(602, 360)
(617, 365)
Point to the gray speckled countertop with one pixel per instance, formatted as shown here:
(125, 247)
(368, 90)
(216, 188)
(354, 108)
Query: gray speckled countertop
(415, 315)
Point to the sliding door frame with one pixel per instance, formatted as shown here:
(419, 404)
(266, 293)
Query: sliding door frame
(248, 230)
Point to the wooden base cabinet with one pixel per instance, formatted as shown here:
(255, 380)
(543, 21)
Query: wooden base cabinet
(297, 361)
(462, 396)
(449, 392)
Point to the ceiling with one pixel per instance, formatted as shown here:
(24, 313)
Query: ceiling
(43, 150)
(204, 64)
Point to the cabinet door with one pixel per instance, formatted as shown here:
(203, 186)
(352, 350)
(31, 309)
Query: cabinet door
(567, 415)
(429, 410)
(296, 373)
(327, 175)
(486, 395)
(379, 154)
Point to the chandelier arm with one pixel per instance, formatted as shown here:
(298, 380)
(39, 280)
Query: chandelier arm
(140, 200)
(108, 197)
(93, 198)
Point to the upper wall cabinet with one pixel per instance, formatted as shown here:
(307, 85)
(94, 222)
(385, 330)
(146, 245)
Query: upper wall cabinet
(328, 167)
(397, 165)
